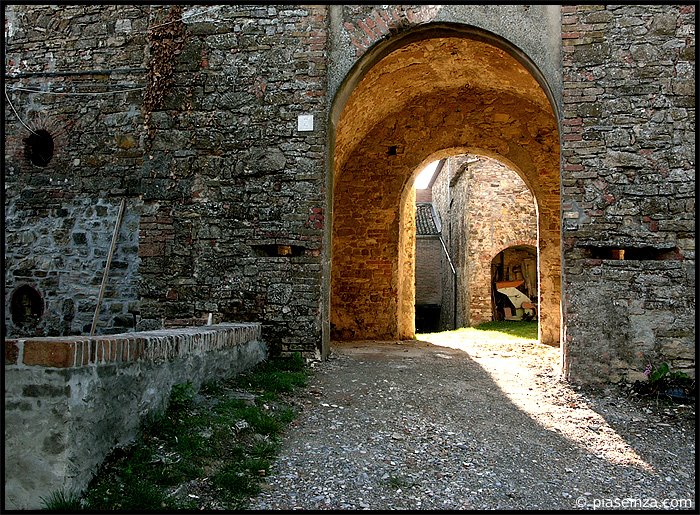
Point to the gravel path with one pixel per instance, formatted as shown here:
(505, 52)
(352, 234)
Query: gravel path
(475, 425)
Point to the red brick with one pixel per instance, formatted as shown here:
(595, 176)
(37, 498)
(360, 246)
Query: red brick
(59, 354)
(85, 353)
(381, 24)
(133, 349)
(367, 30)
(11, 352)
(102, 350)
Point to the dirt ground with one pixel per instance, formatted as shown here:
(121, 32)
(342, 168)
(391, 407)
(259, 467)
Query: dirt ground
(476, 423)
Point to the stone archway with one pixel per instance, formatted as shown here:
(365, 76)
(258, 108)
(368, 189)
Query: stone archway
(438, 91)
(515, 262)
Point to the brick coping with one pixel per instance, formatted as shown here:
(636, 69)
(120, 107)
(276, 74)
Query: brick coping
(154, 346)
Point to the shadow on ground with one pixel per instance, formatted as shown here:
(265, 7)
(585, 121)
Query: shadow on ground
(414, 425)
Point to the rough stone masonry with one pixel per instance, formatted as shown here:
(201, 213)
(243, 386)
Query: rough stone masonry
(230, 206)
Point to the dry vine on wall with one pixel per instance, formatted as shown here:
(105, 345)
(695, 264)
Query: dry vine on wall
(166, 40)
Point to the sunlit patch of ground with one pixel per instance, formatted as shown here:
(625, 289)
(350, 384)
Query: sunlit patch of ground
(529, 374)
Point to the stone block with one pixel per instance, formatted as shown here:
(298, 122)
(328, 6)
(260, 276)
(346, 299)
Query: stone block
(49, 353)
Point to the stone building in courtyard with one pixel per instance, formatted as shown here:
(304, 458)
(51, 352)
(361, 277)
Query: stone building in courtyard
(476, 230)
(258, 161)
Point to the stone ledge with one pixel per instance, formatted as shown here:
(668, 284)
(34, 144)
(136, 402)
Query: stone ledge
(63, 419)
(154, 346)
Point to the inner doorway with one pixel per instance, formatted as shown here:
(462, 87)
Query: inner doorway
(514, 284)
(471, 208)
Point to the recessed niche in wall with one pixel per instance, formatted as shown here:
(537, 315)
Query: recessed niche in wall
(38, 147)
(633, 253)
(26, 305)
(278, 250)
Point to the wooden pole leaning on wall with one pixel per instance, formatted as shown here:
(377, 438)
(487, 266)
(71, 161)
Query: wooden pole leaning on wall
(115, 236)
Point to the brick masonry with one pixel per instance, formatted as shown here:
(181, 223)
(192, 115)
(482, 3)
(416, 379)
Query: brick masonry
(428, 252)
(428, 270)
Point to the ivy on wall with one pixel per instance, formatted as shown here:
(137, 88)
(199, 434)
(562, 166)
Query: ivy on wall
(166, 41)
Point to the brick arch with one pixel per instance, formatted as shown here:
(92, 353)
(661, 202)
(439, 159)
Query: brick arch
(408, 100)
(515, 243)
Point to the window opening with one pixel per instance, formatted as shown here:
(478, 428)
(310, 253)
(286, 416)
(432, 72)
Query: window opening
(26, 305)
(279, 250)
(39, 147)
(632, 253)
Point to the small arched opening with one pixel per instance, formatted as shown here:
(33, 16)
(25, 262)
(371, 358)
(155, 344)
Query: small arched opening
(39, 148)
(514, 291)
(26, 306)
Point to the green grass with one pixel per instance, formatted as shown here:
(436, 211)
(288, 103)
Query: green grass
(235, 441)
(512, 331)
(517, 328)
(62, 502)
(274, 377)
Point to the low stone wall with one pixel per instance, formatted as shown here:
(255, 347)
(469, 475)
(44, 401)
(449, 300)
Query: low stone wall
(70, 400)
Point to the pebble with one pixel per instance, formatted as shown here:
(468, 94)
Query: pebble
(463, 444)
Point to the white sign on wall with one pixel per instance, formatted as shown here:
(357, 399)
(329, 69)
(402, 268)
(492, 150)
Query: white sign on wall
(305, 123)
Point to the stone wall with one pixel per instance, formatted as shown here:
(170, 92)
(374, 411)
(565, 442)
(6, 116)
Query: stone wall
(61, 253)
(231, 200)
(428, 270)
(74, 75)
(226, 193)
(441, 195)
(628, 184)
(485, 208)
(234, 186)
(69, 401)
(451, 199)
